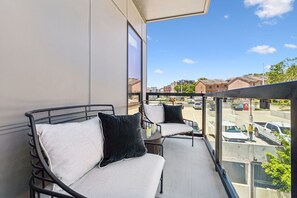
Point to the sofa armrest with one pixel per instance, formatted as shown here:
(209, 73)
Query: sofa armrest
(146, 123)
(189, 122)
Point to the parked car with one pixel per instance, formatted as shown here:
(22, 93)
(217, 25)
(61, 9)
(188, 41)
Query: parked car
(270, 129)
(237, 107)
(233, 133)
(191, 101)
(197, 105)
(212, 107)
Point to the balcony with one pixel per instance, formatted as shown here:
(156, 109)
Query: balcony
(59, 53)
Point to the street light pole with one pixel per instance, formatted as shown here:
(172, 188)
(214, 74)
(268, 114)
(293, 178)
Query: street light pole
(263, 81)
(251, 111)
(181, 86)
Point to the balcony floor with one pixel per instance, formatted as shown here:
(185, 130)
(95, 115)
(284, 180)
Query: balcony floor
(189, 171)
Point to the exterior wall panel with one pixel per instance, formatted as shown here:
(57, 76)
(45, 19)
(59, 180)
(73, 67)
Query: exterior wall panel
(134, 17)
(44, 62)
(122, 5)
(51, 55)
(109, 56)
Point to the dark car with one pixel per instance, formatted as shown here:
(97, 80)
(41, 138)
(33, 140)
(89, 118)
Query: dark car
(237, 107)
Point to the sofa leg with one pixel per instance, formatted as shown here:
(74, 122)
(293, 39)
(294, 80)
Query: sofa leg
(31, 193)
(192, 138)
(161, 191)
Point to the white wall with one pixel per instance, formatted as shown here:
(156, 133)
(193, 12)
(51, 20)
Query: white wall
(55, 53)
(109, 51)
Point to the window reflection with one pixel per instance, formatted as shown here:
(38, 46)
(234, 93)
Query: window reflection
(134, 71)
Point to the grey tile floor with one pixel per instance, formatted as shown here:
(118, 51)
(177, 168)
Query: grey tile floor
(189, 171)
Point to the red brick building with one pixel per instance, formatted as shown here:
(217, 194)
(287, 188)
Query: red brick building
(167, 89)
(246, 81)
(206, 86)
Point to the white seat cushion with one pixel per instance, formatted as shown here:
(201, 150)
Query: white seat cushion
(72, 148)
(168, 129)
(133, 178)
(155, 113)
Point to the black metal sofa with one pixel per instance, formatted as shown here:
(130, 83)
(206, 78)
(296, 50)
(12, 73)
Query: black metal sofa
(43, 177)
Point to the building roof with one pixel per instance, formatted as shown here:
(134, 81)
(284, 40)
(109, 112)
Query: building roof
(249, 79)
(213, 82)
(133, 81)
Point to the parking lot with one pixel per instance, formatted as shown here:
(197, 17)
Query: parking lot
(240, 118)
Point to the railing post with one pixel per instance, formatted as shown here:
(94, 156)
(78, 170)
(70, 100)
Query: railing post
(218, 144)
(203, 116)
(294, 147)
(147, 98)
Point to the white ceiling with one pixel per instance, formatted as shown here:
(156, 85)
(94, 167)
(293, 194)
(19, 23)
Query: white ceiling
(156, 10)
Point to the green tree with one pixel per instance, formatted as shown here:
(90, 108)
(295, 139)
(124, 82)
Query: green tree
(276, 73)
(190, 88)
(279, 166)
(285, 70)
(185, 87)
(291, 73)
(202, 78)
(177, 88)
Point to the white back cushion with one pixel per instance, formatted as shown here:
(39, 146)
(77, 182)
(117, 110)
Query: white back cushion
(72, 148)
(154, 113)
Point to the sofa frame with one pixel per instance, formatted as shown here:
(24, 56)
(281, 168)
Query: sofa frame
(146, 121)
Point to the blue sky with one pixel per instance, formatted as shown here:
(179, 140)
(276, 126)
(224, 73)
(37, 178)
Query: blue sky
(235, 38)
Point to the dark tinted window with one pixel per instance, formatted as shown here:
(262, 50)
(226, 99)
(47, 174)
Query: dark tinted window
(269, 126)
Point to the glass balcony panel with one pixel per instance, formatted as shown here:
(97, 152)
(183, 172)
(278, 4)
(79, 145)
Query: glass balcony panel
(257, 166)
(210, 130)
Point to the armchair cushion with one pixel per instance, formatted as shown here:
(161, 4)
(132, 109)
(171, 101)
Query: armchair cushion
(72, 149)
(122, 137)
(133, 178)
(168, 129)
(173, 114)
(155, 113)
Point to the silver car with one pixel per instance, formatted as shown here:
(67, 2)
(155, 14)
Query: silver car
(197, 105)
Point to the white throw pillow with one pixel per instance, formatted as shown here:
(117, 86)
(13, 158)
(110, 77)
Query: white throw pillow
(72, 148)
(154, 113)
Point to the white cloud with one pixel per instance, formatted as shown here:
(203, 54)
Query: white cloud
(159, 71)
(290, 46)
(269, 22)
(262, 49)
(148, 37)
(226, 16)
(268, 67)
(270, 8)
(188, 61)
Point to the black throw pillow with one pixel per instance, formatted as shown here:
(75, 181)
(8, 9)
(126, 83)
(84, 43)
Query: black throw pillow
(122, 137)
(173, 114)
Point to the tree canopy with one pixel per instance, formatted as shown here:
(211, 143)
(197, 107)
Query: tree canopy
(283, 71)
(279, 167)
(185, 88)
